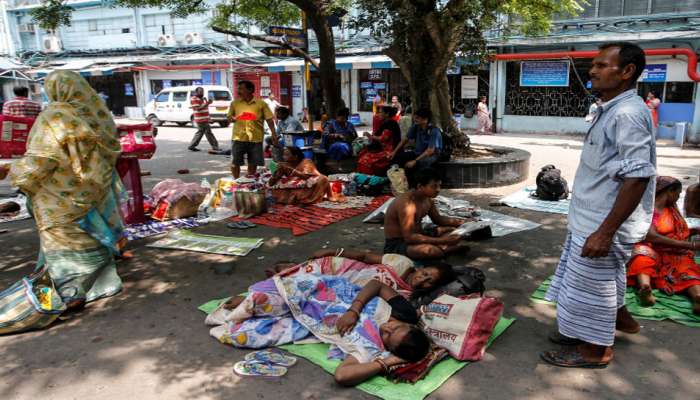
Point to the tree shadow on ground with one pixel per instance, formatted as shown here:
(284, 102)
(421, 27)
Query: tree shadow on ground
(150, 341)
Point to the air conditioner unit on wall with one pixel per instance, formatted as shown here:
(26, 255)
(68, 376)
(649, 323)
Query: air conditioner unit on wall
(167, 40)
(193, 38)
(51, 44)
(26, 28)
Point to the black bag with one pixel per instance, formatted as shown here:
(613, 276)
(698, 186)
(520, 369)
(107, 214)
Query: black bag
(448, 147)
(468, 280)
(550, 184)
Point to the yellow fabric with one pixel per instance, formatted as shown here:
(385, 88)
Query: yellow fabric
(71, 153)
(249, 131)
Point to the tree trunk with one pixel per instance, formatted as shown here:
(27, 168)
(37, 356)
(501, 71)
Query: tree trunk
(425, 69)
(326, 48)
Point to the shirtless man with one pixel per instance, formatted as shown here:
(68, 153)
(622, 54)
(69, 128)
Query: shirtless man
(402, 225)
(692, 201)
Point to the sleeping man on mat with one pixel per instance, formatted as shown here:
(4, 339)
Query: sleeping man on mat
(402, 225)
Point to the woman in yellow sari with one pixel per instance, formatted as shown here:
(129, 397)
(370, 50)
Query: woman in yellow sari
(69, 178)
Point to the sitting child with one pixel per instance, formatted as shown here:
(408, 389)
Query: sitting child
(402, 225)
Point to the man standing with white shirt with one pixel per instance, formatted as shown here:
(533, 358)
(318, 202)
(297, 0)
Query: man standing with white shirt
(611, 210)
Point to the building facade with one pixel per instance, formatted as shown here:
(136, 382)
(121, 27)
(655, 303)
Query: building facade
(542, 85)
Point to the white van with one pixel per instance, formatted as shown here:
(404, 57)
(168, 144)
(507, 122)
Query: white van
(173, 105)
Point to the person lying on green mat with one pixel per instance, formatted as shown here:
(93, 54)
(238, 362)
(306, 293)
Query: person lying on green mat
(371, 328)
(359, 267)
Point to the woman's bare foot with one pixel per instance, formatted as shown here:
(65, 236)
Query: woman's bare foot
(625, 323)
(696, 305)
(646, 298)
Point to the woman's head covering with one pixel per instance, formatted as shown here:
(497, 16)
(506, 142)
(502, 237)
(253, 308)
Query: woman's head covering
(665, 182)
(75, 133)
(70, 93)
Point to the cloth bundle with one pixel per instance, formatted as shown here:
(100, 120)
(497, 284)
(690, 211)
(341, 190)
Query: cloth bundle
(175, 199)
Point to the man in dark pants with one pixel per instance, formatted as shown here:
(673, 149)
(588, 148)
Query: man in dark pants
(200, 108)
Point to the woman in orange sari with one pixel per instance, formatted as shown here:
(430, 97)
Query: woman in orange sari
(665, 259)
(296, 180)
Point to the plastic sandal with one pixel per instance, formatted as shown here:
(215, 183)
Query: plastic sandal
(236, 225)
(252, 368)
(271, 356)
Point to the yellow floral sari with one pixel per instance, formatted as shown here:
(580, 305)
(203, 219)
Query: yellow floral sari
(68, 175)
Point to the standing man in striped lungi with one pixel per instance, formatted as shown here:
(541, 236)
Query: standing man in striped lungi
(611, 209)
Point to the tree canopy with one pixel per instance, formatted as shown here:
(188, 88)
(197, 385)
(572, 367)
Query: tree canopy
(52, 15)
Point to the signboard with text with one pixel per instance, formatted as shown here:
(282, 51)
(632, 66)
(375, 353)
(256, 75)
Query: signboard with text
(544, 73)
(654, 73)
(278, 52)
(294, 36)
(470, 87)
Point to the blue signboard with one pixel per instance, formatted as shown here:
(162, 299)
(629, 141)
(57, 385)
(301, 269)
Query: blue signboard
(296, 91)
(544, 73)
(365, 85)
(379, 85)
(654, 73)
(206, 78)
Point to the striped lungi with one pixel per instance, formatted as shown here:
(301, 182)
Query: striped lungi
(589, 291)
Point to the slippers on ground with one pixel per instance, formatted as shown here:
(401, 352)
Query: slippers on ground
(253, 368)
(570, 359)
(236, 225)
(240, 225)
(271, 356)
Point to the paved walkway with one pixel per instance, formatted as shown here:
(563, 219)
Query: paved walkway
(150, 342)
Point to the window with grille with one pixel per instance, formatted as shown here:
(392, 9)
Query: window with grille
(669, 6)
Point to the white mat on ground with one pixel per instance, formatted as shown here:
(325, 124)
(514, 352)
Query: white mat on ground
(186, 240)
(501, 224)
(522, 199)
(23, 213)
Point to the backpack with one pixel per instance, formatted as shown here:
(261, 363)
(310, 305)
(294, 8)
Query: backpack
(550, 184)
(448, 147)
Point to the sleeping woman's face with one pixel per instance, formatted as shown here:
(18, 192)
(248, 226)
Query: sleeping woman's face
(424, 278)
(393, 333)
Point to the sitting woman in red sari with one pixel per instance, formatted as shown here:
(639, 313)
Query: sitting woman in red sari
(296, 180)
(664, 260)
(375, 158)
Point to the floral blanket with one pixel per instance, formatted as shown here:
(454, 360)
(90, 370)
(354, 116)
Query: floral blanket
(283, 310)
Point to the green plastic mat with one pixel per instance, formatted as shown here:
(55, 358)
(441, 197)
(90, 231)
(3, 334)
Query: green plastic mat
(380, 386)
(676, 308)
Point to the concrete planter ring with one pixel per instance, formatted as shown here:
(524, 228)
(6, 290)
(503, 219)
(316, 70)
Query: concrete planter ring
(491, 166)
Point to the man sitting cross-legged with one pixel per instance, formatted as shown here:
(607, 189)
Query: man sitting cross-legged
(402, 225)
